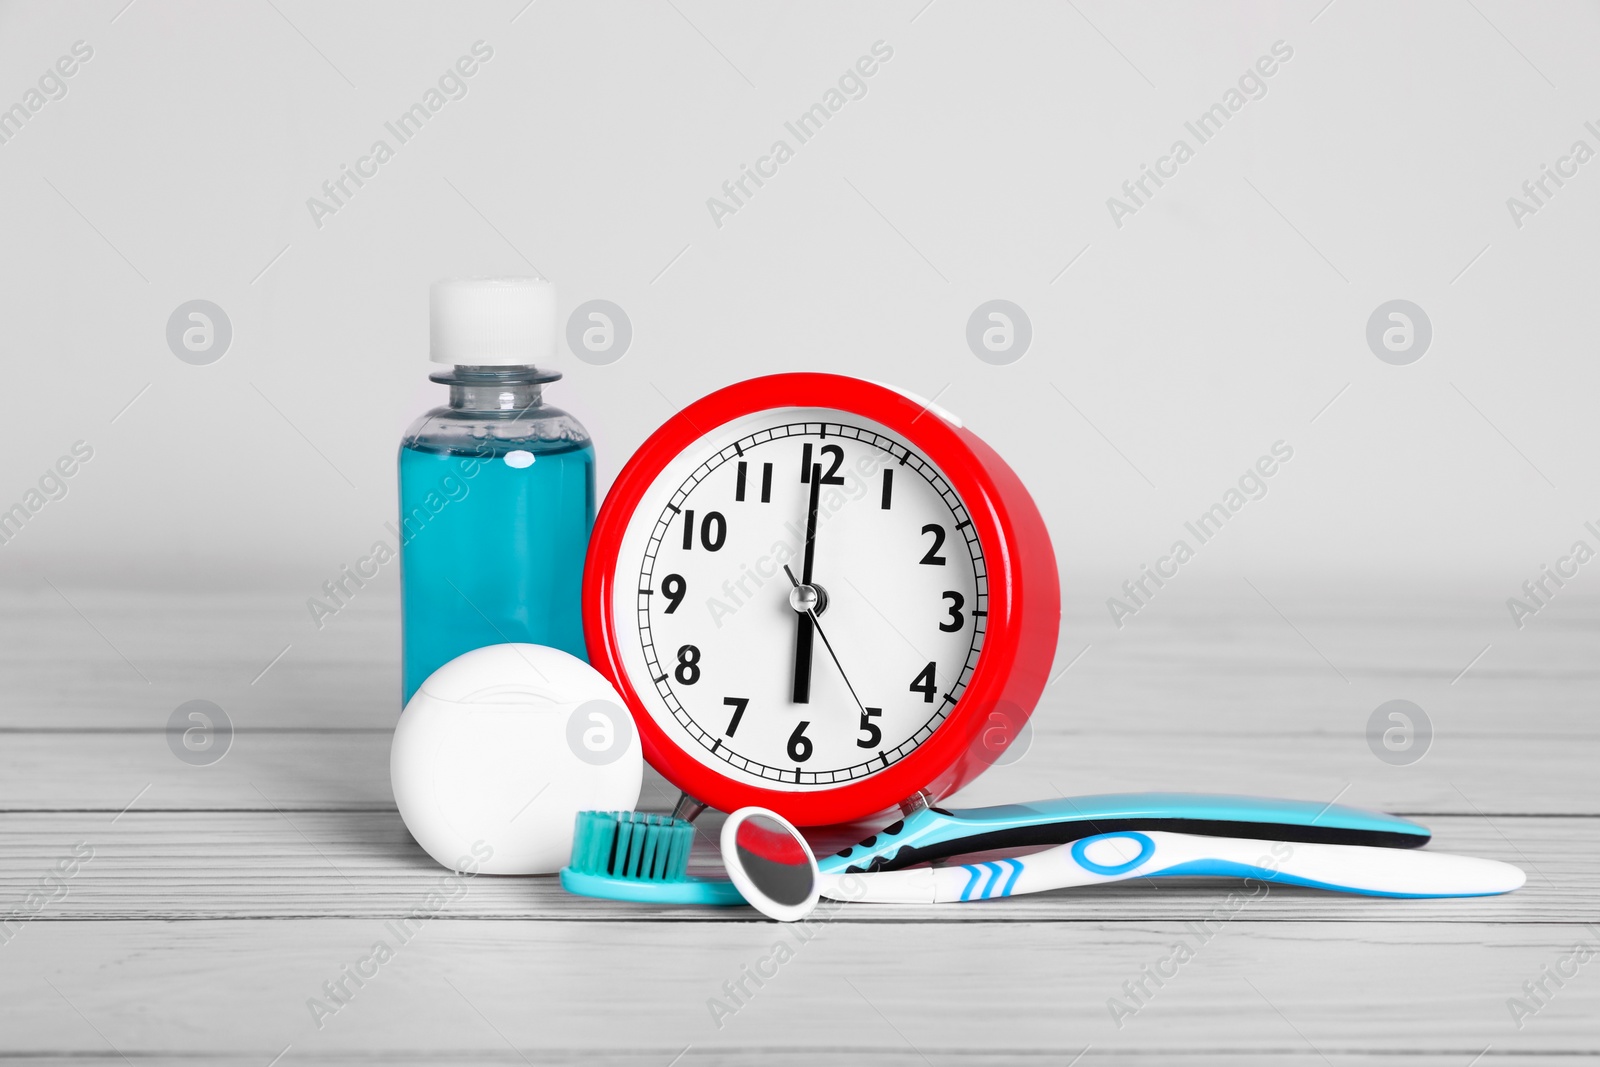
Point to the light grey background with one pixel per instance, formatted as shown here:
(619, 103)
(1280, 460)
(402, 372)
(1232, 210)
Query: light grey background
(1227, 314)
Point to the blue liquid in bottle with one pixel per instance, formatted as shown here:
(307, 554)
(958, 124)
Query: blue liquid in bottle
(497, 500)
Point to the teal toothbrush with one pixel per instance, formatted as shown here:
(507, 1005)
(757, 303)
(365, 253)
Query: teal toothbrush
(639, 857)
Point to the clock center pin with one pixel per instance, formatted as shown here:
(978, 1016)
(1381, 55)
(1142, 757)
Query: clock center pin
(808, 598)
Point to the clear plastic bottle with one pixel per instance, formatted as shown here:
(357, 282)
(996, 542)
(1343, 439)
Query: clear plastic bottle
(497, 490)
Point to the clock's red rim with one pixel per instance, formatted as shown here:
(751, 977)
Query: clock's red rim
(1023, 620)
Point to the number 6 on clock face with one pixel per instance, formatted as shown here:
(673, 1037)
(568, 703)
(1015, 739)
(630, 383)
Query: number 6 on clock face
(794, 585)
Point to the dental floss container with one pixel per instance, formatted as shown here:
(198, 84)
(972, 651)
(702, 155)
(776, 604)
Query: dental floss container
(498, 751)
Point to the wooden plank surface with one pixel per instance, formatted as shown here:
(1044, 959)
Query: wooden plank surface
(1217, 661)
(349, 770)
(638, 992)
(220, 898)
(1217, 693)
(224, 865)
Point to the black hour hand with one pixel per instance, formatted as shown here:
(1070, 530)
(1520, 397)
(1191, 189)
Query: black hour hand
(805, 625)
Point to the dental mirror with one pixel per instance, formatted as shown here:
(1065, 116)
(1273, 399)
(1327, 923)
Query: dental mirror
(770, 863)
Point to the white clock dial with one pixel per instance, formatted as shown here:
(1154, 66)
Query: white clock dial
(711, 632)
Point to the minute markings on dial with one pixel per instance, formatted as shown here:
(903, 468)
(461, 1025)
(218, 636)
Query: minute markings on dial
(703, 725)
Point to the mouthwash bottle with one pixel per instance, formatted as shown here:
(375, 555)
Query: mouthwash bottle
(496, 487)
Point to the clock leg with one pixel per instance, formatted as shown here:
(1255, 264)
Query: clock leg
(687, 808)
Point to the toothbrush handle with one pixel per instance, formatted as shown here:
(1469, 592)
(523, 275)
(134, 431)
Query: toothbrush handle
(1204, 814)
(935, 833)
(1122, 856)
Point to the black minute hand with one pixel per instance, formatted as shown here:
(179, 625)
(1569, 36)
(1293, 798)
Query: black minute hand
(805, 624)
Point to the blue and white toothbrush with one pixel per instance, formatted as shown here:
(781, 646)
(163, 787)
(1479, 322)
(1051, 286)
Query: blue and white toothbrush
(1123, 856)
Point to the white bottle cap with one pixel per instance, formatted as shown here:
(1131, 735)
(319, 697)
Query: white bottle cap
(492, 322)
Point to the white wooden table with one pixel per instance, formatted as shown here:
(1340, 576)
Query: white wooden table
(219, 899)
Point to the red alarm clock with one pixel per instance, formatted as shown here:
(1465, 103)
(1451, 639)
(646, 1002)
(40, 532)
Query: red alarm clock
(822, 596)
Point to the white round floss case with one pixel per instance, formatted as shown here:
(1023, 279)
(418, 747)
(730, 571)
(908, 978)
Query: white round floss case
(498, 751)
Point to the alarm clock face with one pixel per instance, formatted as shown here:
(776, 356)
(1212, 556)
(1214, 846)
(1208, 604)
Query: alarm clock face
(799, 598)
(821, 596)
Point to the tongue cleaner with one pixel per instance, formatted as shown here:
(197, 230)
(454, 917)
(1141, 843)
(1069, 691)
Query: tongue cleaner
(932, 833)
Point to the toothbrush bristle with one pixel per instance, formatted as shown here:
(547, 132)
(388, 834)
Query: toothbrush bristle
(634, 845)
